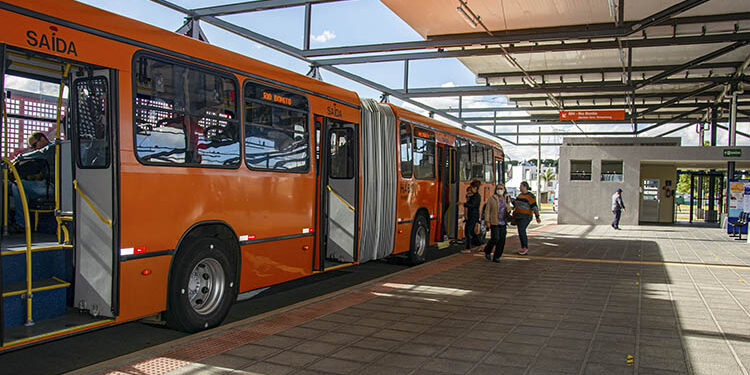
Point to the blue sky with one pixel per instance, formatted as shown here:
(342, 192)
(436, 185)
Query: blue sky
(336, 24)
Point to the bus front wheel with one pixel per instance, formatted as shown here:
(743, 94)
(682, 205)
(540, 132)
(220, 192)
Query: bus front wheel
(202, 287)
(420, 235)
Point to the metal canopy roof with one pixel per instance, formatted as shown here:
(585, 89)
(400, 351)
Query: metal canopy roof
(663, 62)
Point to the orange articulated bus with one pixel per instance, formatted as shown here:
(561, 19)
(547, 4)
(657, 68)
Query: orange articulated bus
(181, 177)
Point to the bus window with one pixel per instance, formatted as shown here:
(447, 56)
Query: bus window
(342, 154)
(424, 154)
(405, 150)
(488, 164)
(276, 130)
(464, 159)
(318, 124)
(477, 160)
(91, 112)
(184, 115)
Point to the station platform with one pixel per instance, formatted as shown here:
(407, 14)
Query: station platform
(586, 300)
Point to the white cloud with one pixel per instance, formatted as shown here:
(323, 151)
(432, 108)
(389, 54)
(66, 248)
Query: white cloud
(325, 36)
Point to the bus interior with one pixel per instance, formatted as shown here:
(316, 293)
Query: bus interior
(50, 283)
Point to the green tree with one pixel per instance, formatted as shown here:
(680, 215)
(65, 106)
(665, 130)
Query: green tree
(683, 185)
(548, 176)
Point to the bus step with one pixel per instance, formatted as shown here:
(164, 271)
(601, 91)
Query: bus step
(49, 301)
(45, 264)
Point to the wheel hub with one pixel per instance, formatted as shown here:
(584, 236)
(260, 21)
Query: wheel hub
(206, 286)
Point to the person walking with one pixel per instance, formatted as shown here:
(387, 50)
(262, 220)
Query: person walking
(617, 207)
(498, 206)
(525, 206)
(473, 201)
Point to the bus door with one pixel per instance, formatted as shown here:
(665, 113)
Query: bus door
(339, 192)
(447, 197)
(94, 204)
(2, 231)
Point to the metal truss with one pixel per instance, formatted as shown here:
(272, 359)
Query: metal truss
(652, 96)
(297, 53)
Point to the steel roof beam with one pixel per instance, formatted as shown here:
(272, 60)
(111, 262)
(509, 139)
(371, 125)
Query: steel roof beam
(555, 117)
(616, 69)
(709, 95)
(677, 129)
(577, 107)
(666, 14)
(297, 53)
(253, 6)
(487, 51)
(738, 132)
(598, 124)
(679, 98)
(583, 32)
(556, 88)
(670, 72)
(673, 119)
(528, 134)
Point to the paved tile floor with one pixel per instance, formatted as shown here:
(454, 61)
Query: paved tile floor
(589, 300)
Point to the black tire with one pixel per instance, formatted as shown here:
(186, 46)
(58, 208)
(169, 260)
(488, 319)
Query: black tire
(213, 285)
(420, 239)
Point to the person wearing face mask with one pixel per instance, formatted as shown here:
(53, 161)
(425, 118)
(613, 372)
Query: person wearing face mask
(498, 207)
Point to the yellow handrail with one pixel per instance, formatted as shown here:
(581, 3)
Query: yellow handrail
(349, 206)
(5, 172)
(27, 228)
(85, 198)
(57, 146)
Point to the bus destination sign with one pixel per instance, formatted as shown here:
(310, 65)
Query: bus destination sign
(592, 115)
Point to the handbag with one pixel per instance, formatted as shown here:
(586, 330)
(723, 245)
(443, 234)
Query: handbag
(510, 217)
(477, 229)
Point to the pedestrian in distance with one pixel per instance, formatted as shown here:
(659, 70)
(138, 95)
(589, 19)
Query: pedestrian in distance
(524, 207)
(473, 201)
(496, 215)
(617, 207)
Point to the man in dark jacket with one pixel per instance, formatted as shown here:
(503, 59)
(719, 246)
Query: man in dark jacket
(473, 201)
(38, 184)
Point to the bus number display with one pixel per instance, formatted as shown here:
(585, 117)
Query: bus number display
(421, 133)
(276, 98)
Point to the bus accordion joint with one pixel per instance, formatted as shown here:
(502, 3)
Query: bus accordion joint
(86, 199)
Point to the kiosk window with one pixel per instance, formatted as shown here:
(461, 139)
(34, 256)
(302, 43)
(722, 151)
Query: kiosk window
(612, 170)
(580, 170)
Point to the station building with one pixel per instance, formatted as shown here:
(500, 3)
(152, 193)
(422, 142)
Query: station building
(646, 169)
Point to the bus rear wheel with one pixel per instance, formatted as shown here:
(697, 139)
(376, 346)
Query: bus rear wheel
(202, 286)
(420, 234)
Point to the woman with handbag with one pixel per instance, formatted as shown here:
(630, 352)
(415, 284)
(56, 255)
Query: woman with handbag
(497, 215)
(473, 201)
